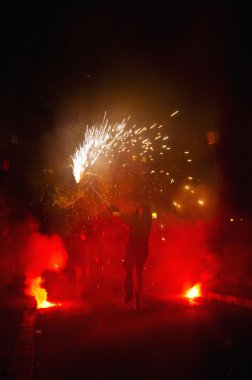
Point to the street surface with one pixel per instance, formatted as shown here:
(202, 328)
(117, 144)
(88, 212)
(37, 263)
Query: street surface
(10, 315)
(166, 339)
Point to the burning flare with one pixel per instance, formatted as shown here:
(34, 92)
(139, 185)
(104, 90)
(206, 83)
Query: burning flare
(35, 289)
(194, 292)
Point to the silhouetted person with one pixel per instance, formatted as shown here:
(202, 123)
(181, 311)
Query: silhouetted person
(137, 252)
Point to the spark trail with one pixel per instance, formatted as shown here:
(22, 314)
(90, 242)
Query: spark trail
(108, 141)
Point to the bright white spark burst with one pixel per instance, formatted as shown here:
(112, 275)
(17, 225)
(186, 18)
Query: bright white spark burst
(107, 140)
(97, 141)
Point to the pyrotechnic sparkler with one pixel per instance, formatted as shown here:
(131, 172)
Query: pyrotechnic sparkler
(131, 166)
(111, 140)
(99, 195)
(96, 142)
(134, 159)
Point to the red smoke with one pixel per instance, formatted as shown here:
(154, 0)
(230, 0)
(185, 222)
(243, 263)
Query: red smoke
(180, 255)
(42, 253)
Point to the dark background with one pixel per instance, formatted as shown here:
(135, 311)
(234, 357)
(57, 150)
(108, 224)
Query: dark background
(61, 65)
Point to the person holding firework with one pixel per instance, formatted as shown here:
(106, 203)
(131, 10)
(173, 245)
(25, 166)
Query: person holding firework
(137, 251)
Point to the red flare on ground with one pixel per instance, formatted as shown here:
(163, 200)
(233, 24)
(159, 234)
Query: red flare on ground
(42, 253)
(194, 292)
(35, 289)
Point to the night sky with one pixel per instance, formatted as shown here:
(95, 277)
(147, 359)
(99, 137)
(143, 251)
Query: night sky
(61, 65)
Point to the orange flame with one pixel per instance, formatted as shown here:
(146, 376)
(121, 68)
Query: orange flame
(36, 290)
(194, 292)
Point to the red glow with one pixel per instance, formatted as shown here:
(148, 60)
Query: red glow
(83, 236)
(5, 165)
(175, 264)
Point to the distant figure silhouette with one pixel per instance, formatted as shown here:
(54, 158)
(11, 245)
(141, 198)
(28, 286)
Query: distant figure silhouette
(137, 251)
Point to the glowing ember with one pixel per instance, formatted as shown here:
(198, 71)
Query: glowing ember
(154, 215)
(194, 292)
(174, 113)
(34, 288)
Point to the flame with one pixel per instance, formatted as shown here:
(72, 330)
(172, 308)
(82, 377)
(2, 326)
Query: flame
(35, 289)
(194, 292)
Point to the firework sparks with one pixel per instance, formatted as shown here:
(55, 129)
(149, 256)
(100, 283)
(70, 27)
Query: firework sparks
(128, 154)
(96, 142)
(111, 140)
(174, 113)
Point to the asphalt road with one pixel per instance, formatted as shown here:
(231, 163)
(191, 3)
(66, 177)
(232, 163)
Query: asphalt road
(166, 339)
(11, 308)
